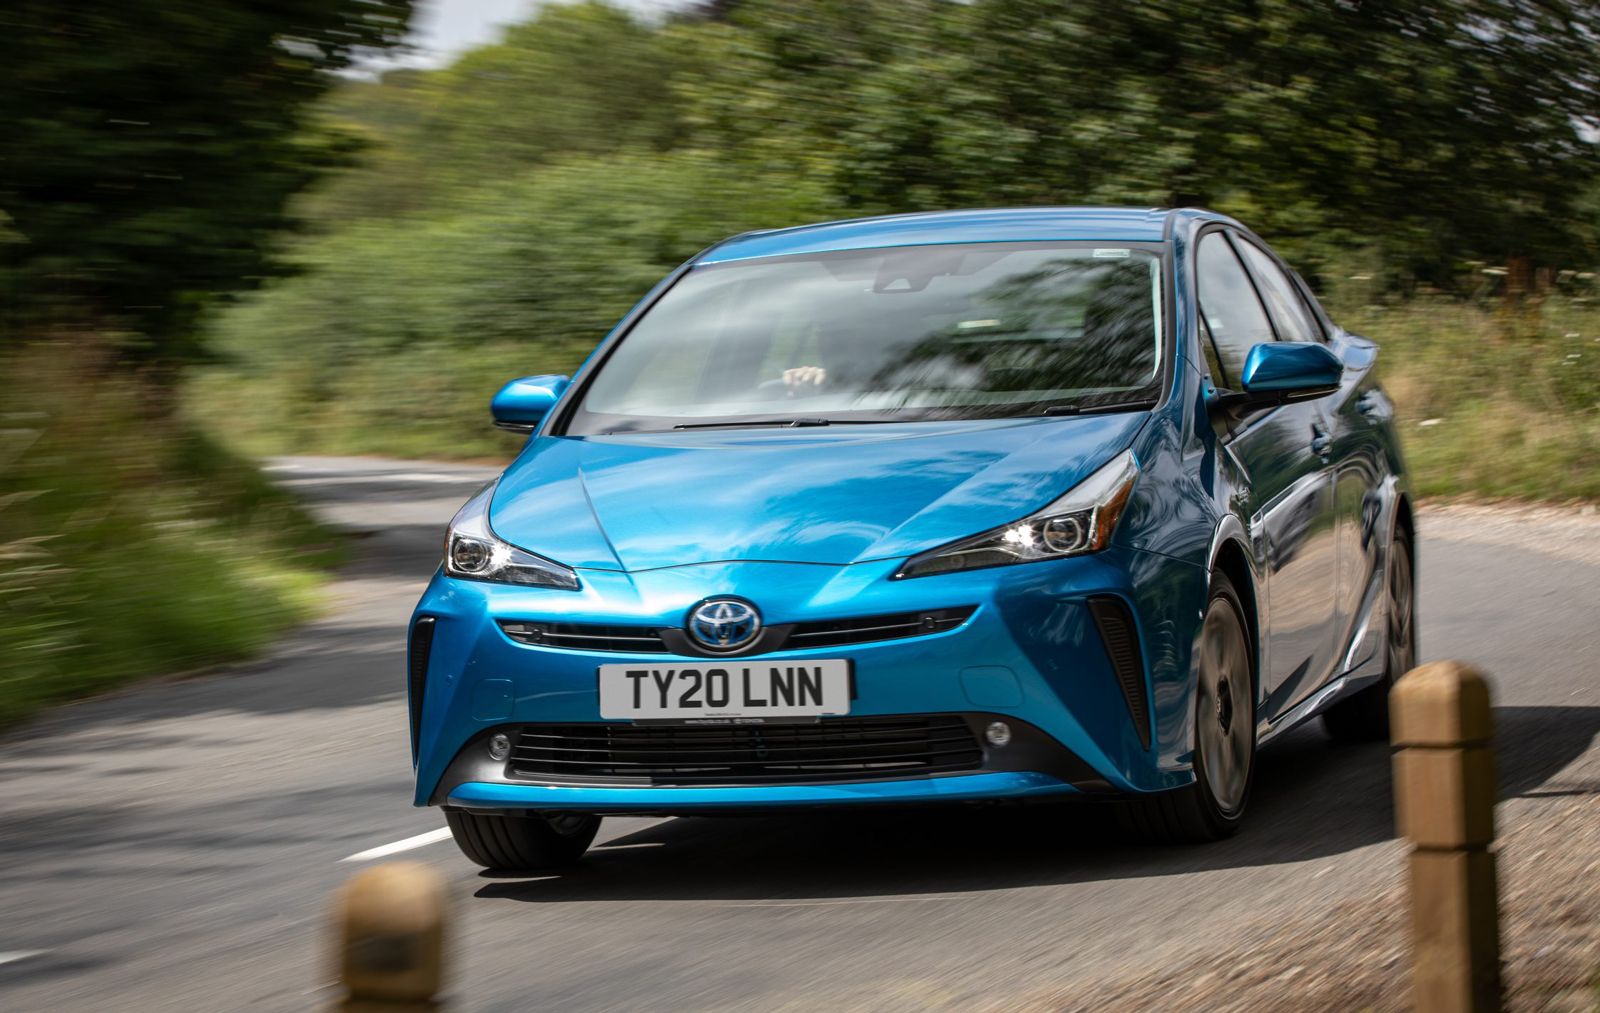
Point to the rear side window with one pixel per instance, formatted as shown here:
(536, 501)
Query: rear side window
(1228, 301)
(1294, 321)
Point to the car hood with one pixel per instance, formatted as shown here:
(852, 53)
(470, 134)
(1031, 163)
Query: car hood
(839, 495)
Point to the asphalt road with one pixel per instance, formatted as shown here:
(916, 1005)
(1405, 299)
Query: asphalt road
(177, 846)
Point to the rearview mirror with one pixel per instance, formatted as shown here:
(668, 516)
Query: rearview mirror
(522, 404)
(1281, 372)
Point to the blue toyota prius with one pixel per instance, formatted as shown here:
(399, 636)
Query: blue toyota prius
(964, 507)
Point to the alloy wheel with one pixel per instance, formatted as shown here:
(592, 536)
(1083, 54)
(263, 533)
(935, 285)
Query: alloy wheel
(1225, 713)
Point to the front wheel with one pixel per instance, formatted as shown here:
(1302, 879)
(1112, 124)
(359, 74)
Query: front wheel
(517, 843)
(1224, 735)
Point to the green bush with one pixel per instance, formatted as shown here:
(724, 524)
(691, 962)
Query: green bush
(130, 544)
(398, 332)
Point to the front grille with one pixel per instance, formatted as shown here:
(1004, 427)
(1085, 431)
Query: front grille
(586, 636)
(834, 749)
(838, 632)
(621, 639)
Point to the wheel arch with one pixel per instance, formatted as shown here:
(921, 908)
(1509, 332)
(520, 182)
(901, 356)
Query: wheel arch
(1231, 559)
(1405, 520)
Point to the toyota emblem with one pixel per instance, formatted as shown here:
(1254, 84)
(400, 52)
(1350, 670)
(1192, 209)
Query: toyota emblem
(724, 624)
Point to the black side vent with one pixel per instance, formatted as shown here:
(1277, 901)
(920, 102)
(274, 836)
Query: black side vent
(1121, 641)
(417, 662)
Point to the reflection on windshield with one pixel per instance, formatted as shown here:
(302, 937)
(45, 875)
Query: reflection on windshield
(925, 332)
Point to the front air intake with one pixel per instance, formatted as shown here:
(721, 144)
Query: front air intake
(833, 750)
(1121, 640)
(417, 663)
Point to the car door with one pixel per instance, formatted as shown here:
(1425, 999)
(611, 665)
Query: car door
(1358, 414)
(1355, 453)
(1286, 453)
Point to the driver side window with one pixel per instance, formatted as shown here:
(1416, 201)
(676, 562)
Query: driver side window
(1229, 305)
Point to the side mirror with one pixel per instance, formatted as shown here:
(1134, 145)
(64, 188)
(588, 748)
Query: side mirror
(1281, 372)
(522, 404)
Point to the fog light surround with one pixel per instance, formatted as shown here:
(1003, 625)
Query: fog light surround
(998, 734)
(499, 746)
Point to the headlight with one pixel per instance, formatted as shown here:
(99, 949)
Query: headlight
(1077, 523)
(471, 550)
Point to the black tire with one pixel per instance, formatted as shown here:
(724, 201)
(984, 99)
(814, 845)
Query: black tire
(522, 843)
(1195, 813)
(1364, 716)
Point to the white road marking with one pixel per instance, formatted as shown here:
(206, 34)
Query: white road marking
(384, 850)
(15, 955)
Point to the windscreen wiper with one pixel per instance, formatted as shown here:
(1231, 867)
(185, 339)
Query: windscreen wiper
(752, 423)
(1099, 409)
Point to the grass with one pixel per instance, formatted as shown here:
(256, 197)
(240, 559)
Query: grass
(130, 543)
(1490, 405)
(429, 400)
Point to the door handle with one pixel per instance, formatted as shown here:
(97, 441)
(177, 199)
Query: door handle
(1321, 441)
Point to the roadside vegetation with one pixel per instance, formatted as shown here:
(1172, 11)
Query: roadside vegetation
(511, 207)
(132, 544)
(148, 158)
(213, 234)
(1493, 405)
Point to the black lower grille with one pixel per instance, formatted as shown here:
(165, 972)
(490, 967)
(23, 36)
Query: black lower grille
(1121, 639)
(837, 749)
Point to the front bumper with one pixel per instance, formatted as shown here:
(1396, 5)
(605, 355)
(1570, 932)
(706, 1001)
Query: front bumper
(805, 764)
(999, 785)
(1030, 654)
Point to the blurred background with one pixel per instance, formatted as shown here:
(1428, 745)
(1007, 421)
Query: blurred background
(253, 227)
(335, 226)
(263, 263)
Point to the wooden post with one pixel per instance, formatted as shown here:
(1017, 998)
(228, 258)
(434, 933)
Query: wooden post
(1444, 789)
(391, 925)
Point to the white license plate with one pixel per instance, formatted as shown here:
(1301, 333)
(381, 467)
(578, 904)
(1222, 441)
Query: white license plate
(689, 690)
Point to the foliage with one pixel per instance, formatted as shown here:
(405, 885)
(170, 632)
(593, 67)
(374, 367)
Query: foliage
(149, 150)
(1441, 129)
(131, 545)
(402, 333)
(512, 206)
(581, 79)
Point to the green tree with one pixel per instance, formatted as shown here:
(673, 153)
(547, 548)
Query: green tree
(576, 79)
(1445, 129)
(149, 150)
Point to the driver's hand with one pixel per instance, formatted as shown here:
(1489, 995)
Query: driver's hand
(804, 379)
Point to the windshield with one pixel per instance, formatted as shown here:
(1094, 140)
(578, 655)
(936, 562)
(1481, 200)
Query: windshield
(971, 331)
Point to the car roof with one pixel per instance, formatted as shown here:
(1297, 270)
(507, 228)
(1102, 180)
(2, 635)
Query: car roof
(989, 225)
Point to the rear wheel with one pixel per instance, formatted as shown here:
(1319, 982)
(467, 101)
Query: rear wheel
(1224, 734)
(522, 842)
(1364, 716)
